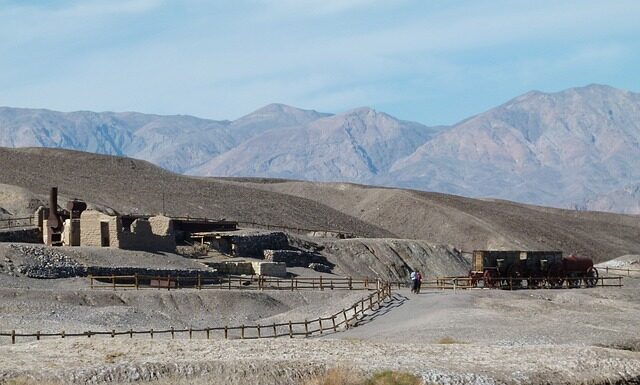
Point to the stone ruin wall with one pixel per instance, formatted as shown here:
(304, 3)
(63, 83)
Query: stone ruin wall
(90, 228)
(155, 234)
(273, 269)
(253, 245)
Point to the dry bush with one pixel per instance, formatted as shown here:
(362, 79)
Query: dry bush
(344, 376)
(111, 357)
(448, 341)
(393, 378)
(338, 376)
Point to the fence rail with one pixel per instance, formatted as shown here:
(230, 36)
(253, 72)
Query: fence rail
(341, 320)
(228, 282)
(463, 282)
(347, 234)
(8, 223)
(629, 271)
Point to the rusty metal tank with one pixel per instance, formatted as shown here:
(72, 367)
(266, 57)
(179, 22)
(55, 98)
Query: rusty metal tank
(576, 264)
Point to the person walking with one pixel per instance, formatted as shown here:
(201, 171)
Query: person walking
(413, 281)
(418, 282)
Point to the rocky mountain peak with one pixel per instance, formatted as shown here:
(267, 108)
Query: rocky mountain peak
(555, 148)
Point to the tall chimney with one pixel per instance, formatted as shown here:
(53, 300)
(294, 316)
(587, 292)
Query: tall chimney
(54, 221)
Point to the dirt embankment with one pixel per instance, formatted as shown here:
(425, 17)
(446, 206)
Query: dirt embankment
(394, 259)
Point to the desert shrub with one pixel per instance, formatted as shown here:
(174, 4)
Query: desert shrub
(338, 376)
(393, 378)
(448, 340)
(343, 376)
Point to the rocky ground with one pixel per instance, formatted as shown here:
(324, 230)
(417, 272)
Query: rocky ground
(480, 336)
(286, 361)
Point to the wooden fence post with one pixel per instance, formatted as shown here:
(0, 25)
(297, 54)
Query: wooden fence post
(130, 333)
(199, 282)
(333, 320)
(306, 328)
(151, 333)
(136, 278)
(275, 332)
(229, 280)
(259, 336)
(62, 334)
(242, 332)
(291, 283)
(290, 330)
(226, 332)
(350, 283)
(13, 337)
(207, 333)
(190, 332)
(113, 333)
(113, 281)
(320, 323)
(91, 280)
(38, 335)
(321, 287)
(346, 321)
(172, 333)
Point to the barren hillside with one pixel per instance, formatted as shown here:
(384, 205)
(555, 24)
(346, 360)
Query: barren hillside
(131, 186)
(472, 223)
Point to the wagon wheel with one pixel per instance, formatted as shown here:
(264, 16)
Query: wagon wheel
(555, 281)
(488, 279)
(534, 283)
(574, 281)
(591, 278)
(514, 278)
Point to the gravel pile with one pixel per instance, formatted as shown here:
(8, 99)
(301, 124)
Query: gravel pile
(41, 262)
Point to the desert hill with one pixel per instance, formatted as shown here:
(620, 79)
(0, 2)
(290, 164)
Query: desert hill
(131, 186)
(134, 186)
(471, 223)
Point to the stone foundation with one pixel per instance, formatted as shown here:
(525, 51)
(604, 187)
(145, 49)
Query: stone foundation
(253, 245)
(273, 269)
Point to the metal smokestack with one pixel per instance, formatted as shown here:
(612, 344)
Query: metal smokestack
(54, 221)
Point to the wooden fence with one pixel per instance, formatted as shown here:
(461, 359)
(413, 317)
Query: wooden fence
(462, 283)
(229, 282)
(620, 271)
(341, 320)
(8, 223)
(346, 234)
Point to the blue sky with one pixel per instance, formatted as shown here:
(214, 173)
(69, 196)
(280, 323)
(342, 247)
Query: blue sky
(435, 62)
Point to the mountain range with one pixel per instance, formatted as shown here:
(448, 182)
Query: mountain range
(578, 148)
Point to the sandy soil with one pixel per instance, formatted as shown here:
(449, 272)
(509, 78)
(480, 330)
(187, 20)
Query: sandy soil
(286, 361)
